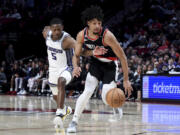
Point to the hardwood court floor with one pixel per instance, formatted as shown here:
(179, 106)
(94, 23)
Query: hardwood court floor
(26, 115)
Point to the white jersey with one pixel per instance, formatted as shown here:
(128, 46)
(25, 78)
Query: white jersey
(57, 57)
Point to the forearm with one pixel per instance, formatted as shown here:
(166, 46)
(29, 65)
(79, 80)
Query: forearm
(76, 61)
(125, 68)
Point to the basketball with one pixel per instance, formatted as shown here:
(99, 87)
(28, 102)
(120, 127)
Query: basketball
(115, 98)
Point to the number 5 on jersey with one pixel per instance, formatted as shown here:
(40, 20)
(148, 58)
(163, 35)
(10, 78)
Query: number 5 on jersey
(53, 56)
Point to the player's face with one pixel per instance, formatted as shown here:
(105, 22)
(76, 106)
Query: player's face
(94, 26)
(56, 31)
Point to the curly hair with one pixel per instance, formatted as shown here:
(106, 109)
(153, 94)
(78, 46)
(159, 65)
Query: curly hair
(94, 12)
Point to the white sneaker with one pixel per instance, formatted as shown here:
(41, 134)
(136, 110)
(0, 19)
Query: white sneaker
(68, 112)
(20, 92)
(23, 92)
(72, 127)
(58, 120)
(118, 112)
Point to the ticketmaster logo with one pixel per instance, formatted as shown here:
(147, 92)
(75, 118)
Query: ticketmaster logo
(166, 89)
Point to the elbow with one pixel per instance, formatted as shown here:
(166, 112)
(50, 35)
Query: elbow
(76, 55)
(123, 57)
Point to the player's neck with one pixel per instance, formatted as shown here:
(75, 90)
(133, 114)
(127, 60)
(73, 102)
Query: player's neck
(93, 35)
(56, 38)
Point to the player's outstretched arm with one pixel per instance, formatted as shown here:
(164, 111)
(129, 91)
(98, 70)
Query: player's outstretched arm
(69, 43)
(111, 41)
(77, 53)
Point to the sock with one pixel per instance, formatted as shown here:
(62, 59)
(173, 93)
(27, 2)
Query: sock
(75, 118)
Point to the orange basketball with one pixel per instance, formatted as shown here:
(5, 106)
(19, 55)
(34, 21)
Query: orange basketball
(115, 98)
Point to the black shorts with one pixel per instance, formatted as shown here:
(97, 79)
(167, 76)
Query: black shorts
(103, 71)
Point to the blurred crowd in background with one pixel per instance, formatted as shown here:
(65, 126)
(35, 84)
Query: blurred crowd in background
(148, 31)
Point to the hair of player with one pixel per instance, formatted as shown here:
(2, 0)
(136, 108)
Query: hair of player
(56, 21)
(93, 12)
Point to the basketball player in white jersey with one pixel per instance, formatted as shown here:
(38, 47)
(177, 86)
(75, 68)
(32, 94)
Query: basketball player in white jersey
(60, 47)
(102, 67)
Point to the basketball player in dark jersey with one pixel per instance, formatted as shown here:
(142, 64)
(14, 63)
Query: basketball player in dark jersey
(102, 67)
(60, 46)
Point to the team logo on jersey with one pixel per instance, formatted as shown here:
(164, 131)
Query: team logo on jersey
(55, 50)
(90, 46)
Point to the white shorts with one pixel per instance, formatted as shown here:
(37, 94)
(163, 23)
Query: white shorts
(53, 79)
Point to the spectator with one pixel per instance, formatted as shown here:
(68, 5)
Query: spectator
(10, 58)
(14, 14)
(137, 83)
(34, 74)
(3, 81)
(16, 79)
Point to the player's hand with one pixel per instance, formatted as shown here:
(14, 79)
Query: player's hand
(45, 31)
(128, 88)
(99, 50)
(76, 72)
(46, 28)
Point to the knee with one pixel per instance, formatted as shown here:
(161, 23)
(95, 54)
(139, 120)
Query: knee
(61, 81)
(88, 93)
(91, 80)
(105, 89)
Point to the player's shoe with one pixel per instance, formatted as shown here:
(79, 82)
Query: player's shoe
(68, 112)
(60, 132)
(58, 120)
(72, 127)
(118, 112)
